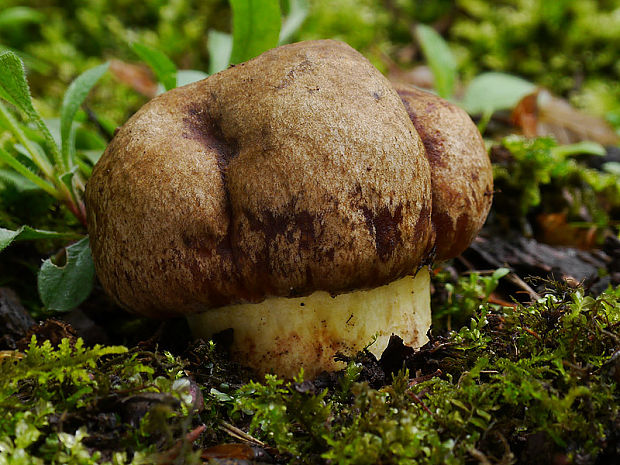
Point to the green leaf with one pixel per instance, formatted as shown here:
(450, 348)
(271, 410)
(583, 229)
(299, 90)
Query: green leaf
(26, 233)
(489, 92)
(187, 76)
(14, 84)
(67, 180)
(22, 169)
(15, 87)
(62, 288)
(439, 58)
(298, 11)
(612, 167)
(219, 45)
(20, 15)
(18, 181)
(500, 273)
(163, 67)
(73, 98)
(32, 63)
(585, 147)
(256, 27)
(184, 77)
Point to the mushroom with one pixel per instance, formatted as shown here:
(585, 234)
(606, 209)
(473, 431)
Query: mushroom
(288, 198)
(461, 172)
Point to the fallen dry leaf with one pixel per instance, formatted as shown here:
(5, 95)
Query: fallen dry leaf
(555, 230)
(543, 114)
(137, 77)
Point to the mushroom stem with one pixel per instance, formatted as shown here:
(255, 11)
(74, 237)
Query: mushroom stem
(281, 335)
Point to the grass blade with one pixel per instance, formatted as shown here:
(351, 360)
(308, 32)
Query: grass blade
(439, 58)
(73, 98)
(163, 67)
(219, 45)
(256, 27)
(298, 11)
(15, 86)
(26, 173)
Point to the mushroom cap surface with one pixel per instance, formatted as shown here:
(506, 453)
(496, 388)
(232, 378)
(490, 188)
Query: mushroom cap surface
(299, 170)
(461, 172)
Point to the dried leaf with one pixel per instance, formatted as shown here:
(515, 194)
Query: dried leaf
(138, 77)
(525, 117)
(231, 451)
(543, 114)
(555, 230)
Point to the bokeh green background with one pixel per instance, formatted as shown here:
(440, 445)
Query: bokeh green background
(570, 47)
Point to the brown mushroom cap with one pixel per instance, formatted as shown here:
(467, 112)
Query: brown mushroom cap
(461, 173)
(297, 171)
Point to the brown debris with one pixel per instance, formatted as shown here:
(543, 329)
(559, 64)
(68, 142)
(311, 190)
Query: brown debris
(543, 114)
(138, 77)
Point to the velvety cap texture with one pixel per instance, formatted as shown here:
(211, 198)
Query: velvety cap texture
(299, 170)
(461, 172)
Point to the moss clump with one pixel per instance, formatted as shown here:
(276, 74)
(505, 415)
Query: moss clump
(539, 176)
(72, 404)
(533, 384)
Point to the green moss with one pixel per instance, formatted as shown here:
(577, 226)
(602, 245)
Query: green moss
(509, 378)
(525, 385)
(72, 404)
(534, 175)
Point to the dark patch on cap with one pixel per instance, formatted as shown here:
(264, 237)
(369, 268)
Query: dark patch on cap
(463, 235)
(444, 232)
(431, 138)
(423, 228)
(385, 228)
(202, 127)
(290, 225)
(453, 237)
(300, 68)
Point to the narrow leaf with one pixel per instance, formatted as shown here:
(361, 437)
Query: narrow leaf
(75, 95)
(298, 11)
(7, 158)
(585, 147)
(18, 181)
(163, 67)
(489, 92)
(62, 288)
(187, 76)
(14, 85)
(26, 233)
(219, 45)
(439, 58)
(20, 15)
(34, 151)
(256, 27)
(612, 167)
(67, 180)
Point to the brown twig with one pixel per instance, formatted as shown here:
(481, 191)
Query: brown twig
(515, 279)
(239, 434)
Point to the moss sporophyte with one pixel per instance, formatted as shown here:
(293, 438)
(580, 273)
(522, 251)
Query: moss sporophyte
(530, 384)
